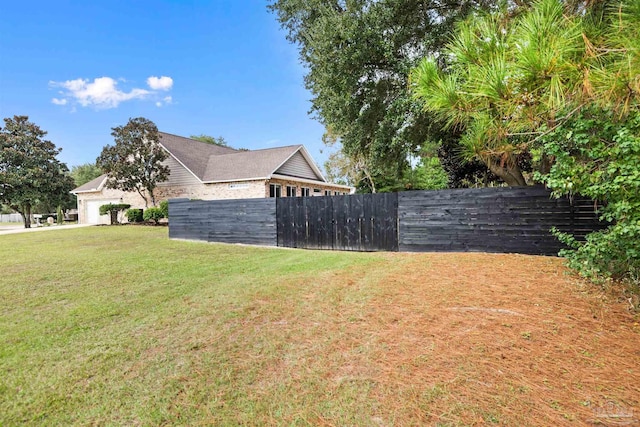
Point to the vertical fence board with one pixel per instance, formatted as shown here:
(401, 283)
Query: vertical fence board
(358, 222)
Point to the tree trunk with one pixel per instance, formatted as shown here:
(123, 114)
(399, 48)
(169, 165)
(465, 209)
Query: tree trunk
(141, 193)
(545, 164)
(26, 215)
(512, 175)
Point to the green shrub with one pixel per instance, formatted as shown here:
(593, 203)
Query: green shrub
(134, 215)
(113, 209)
(60, 216)
(598, 156)
(153, 214)
(164, 206)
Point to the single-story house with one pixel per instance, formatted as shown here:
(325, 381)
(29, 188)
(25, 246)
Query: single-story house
(208, 172)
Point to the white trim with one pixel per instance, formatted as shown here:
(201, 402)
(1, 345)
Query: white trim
(93, 190)
(235, 180)
(309, 181)
(307, 158)
(312, 163)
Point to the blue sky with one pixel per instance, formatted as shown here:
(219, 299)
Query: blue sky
(219, 67)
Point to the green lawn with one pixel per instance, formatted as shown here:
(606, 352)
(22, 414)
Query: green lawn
(122, 326)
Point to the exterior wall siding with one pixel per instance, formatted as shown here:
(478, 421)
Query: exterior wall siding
(297, 166)
(179, 175)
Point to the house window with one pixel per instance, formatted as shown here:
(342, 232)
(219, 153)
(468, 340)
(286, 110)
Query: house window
(316, 190)
(275, 190)
(305, 191)
(327, 192)
(291, 191)
(336, 193)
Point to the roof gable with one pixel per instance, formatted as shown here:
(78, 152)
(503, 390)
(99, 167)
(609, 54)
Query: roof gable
(95, 184)
(298, 166)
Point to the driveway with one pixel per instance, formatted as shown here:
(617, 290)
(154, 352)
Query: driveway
(19, 228)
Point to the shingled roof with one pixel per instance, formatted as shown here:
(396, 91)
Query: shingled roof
(93, 185)
(194, 155)
(213, 163)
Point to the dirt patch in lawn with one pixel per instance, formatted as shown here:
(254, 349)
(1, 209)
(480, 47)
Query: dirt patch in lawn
(471, 339)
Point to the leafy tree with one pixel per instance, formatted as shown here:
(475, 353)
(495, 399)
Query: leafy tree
(358, 55)
(461, 172)
(134, 163)
(346, 169)
(598, 156)
(84, 173)
(564, 88)
(210, 140)
(30, 173)
(220, 141)
(429, 174)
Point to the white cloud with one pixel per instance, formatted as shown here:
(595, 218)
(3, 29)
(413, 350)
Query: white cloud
(160, 83)
(103, 92)
(165, 101)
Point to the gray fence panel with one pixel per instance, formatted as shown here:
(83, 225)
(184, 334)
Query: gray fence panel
(12, 217)
(359, 222)
(490, 220)
(516, 220)
(248, 221)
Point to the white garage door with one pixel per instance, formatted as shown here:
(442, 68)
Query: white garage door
(92, 210)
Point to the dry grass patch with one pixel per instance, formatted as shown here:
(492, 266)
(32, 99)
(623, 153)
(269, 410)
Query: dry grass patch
(131, 328)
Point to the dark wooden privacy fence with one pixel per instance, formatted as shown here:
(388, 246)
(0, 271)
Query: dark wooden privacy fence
(489, 220)
(358, 222)
(249, 221)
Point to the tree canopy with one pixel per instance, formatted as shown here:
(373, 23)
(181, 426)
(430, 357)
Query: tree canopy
(210, 140)
(134, 162)
(30, 172)
(220, 141)
(561, 83)
(84, 173)
(358, 55)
